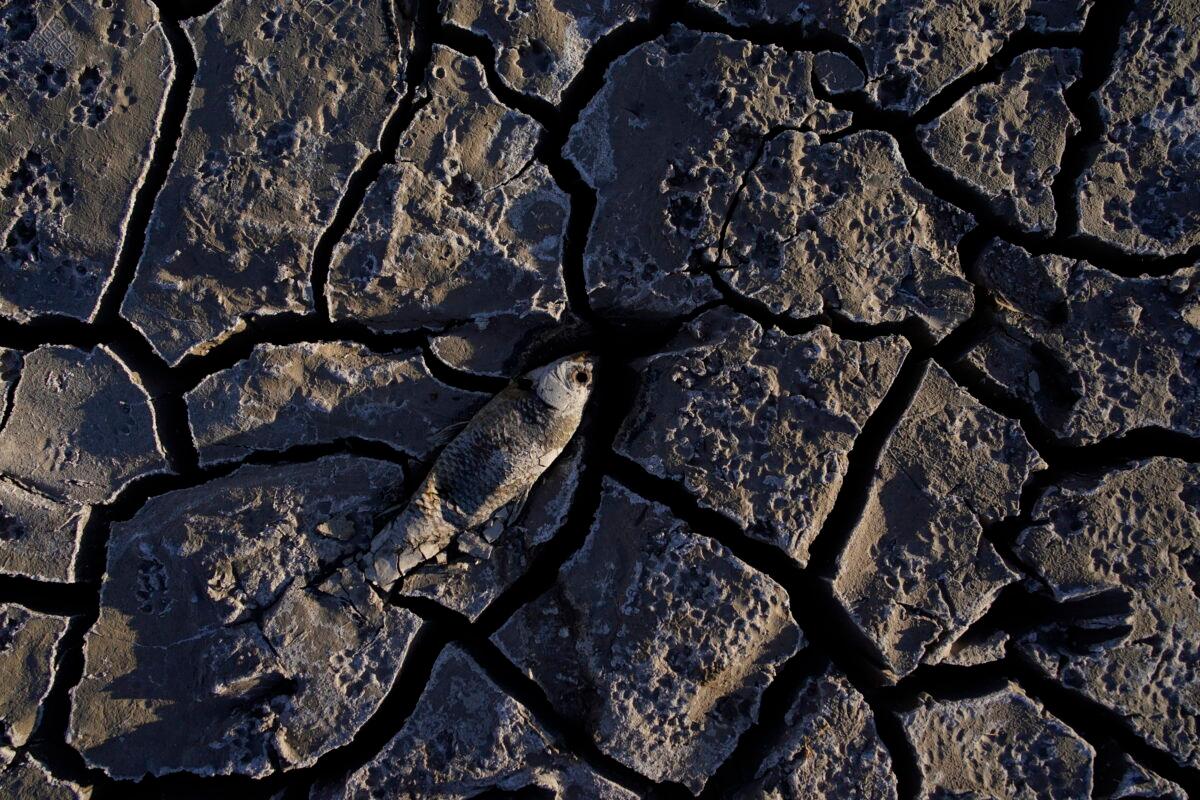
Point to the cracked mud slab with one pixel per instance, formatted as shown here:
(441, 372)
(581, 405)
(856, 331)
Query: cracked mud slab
(1006, 139)
(664, 144)
(775, 299)
(912, 48)
(11, 362)
(541, 44)
(917, 570)
(1137, 781)
(756, 424)
(26, 779)
(82, 88)
(1141, 188)
(843, 227)
(463, 234)
(656, 639)
(1093, 354)
(830, 748)
(1001, 744)
(306, 394)
(467, 738)
(289, 98)
(1124, 545)
(234, 631)
(28, 645)
(80, 429)
(837, 73)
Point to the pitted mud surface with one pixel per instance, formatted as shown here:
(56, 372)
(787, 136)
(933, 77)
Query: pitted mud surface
(889, 485)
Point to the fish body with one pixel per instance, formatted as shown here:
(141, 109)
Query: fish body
(494, 461)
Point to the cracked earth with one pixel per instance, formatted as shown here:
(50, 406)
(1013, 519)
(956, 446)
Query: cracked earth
(889, 486)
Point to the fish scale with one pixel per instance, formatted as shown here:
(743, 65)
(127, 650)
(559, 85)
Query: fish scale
(496, 459)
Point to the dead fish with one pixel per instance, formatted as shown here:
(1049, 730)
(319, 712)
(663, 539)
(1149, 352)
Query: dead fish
(493, 462)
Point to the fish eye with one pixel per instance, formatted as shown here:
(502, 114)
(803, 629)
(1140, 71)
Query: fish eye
(581, 377)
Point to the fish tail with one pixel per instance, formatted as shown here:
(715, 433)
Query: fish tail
(410, 539)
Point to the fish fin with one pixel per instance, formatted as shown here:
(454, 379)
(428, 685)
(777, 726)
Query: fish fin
(444, 434)
(390, 512)
(517, 507)
(504, 518)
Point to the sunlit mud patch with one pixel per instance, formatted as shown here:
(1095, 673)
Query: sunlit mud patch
(230, 639)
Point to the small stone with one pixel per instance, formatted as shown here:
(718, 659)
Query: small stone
(493, 530)
(227, 641)
(285, 396)
(1006, 139)
(672, 641)
(288, 100)
(917, 571)
(467, 738)
(843, 227)
(463, 234)
(1126, 541)
(664, 144)
(80, 429)
(830, 749)
(28, 646)
(341, 528)
(386, 572)
(405, 562)
(756, 424)
(1191, 313)
(82, 88)
(1141, 188)
(1002, 744)
(473, 546)
(1107, 355)
(541, 45)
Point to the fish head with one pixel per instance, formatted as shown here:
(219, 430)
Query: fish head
(566, 384)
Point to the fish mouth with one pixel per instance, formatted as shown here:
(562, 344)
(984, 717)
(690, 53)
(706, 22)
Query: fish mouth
(582, 366)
